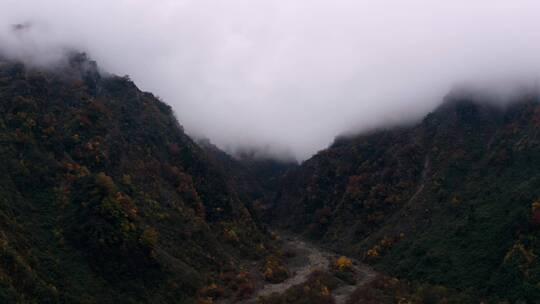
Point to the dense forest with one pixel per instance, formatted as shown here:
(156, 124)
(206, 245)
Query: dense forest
(453, 200)
(105, 199)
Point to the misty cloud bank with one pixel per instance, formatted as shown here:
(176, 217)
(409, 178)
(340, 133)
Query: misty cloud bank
(288, 75)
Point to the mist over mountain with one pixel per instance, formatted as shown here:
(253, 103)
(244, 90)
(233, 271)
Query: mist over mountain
(451, 200)
(287, 75)
(105, 199)
(268, 152)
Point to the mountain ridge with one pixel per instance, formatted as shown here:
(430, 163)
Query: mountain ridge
(105, 198)
(394, 197)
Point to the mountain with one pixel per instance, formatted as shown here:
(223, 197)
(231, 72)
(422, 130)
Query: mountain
(105, 199)
(453, 200)
(257, 178)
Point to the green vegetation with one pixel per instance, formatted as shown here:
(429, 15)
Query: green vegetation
(343, 270)
(104, 199)
(274, 271)
(451, 201)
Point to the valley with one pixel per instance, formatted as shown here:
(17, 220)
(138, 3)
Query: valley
(307, 258)
(106, 199)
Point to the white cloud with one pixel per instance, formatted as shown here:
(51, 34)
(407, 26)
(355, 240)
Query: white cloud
(289, 74)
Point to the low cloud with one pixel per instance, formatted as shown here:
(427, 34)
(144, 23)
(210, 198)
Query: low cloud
(290, 75)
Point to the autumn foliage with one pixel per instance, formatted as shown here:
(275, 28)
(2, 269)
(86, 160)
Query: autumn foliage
(105, 199)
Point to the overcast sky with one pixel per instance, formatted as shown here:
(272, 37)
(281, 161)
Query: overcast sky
(288, 74)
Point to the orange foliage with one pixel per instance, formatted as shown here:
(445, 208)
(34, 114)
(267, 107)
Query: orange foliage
(343, 263)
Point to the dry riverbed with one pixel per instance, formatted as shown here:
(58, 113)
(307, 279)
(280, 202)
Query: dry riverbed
(306, 259)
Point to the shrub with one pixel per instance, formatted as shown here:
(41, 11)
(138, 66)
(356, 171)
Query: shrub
(274, 271)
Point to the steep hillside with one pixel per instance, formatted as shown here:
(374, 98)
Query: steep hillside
(104, 199)
(453, 200)
(257, 179)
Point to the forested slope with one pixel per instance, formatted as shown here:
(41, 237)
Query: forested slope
(104, 198)
(452, 200)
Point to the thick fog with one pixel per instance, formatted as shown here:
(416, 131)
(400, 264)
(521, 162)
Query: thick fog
(287, 75)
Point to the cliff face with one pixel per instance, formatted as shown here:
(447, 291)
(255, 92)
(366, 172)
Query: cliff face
(103, 197)
(452, 200)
